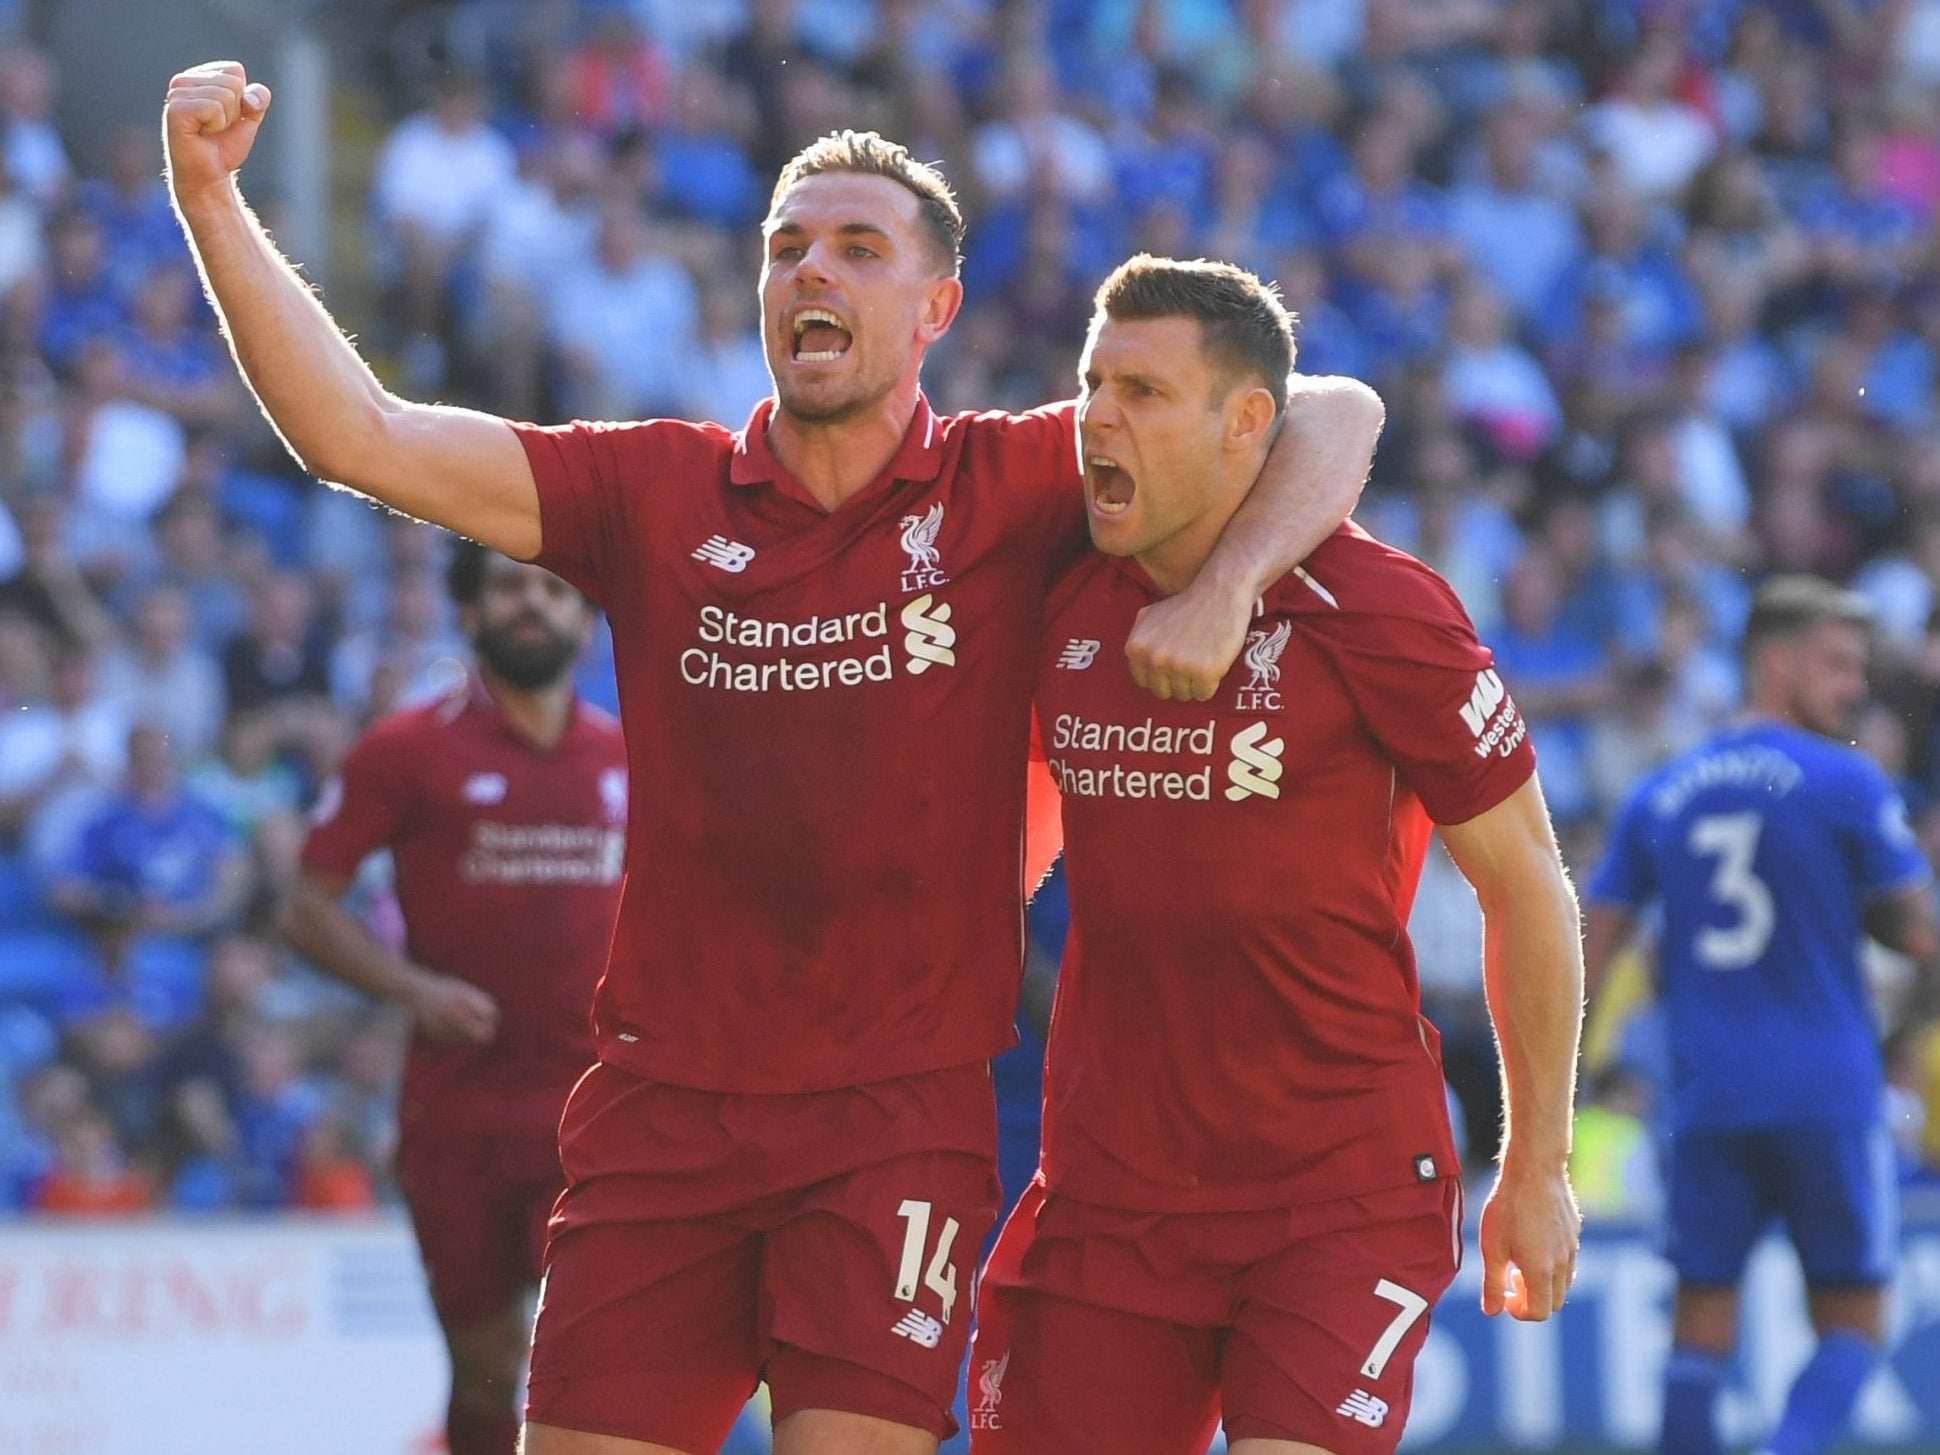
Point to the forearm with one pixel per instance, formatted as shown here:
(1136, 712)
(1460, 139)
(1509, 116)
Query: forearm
(82, 615)
(337, 944)
(1310, 483)
(319, 395)
(1906, 922)
(1533, 975)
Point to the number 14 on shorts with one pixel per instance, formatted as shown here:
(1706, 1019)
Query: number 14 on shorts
(940, 1277)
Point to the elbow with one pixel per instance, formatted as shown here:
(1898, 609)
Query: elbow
(1340, 420)
(1544, 888)
(353, 446)
(1337, 403)
(1368, 412)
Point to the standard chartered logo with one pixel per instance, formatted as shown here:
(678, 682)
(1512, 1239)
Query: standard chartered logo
(1256, 767)
(930, 639)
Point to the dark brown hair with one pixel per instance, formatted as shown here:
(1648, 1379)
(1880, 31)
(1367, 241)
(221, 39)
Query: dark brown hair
(1785, 606)
(1243, 325)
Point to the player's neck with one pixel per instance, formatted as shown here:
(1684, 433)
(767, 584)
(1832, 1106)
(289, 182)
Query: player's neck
(1174, 562)
(540, 713)
(835, 458)
(1760, 711)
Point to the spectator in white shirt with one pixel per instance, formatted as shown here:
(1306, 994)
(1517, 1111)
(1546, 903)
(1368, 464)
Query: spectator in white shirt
(624, 322)
(162, 676)
(436, 178)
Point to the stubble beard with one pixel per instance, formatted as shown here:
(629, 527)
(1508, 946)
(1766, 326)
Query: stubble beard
(800, 405)
(847, 399)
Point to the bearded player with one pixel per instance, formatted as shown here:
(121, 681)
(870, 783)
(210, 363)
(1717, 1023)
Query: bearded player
(1769, 852)
(503, 809)
(1248, 1198)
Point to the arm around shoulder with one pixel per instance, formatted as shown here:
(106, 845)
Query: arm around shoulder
(1309, 485)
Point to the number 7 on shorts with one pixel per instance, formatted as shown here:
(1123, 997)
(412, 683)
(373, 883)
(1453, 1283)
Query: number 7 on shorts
(1412, 1307)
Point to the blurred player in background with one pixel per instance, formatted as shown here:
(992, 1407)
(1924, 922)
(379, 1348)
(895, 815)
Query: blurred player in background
(503, 808)
(823, 627)
(1768, 851)
(1249, 1195)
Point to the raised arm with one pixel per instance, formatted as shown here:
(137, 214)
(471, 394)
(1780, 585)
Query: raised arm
(1182, 646)
(1533, 973)
(454, 467)
(443, 1007)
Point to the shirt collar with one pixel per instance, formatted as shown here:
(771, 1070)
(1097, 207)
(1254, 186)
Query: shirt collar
(919, 457)
(477, 698)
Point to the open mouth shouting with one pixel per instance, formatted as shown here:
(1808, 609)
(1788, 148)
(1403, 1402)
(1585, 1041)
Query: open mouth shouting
(820, 336)
(1110, 486)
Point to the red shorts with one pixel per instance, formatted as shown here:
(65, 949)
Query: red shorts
(1105, 1331)
(479, 1201)
(802, 1240)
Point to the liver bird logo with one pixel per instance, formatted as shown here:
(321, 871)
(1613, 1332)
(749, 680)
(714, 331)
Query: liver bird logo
(919, 538)
(1262, 656)
(990, 1384)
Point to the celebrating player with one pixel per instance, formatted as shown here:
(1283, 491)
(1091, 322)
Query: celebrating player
(824, 627)
(1769, 848)
(503, 810)
(1249, 1198)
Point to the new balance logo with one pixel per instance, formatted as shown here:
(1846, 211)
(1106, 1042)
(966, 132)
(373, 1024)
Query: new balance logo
(1365, 1409)
(919, 1328)
(1256, 767)
(484, 788)
(930, 637)
(1483, 700)
(1078, 654)
(728, 555)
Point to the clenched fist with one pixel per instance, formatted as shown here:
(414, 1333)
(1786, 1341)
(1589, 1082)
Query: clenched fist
(209, 124)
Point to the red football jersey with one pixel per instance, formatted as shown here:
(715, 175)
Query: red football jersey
(827, 716)
(508, 861)
(1237, 1022)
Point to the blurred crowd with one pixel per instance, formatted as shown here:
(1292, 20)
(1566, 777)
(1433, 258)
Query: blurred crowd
(1651, 287)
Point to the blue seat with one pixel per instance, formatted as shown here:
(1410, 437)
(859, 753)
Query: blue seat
(40, 967)
(21, 903)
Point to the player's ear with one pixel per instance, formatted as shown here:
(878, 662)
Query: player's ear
(1250, 417)
(940, 307)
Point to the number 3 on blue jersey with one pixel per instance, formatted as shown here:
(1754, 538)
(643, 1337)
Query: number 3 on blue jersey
(1733, 838)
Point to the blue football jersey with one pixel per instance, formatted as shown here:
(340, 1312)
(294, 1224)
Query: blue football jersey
(1761, 848)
